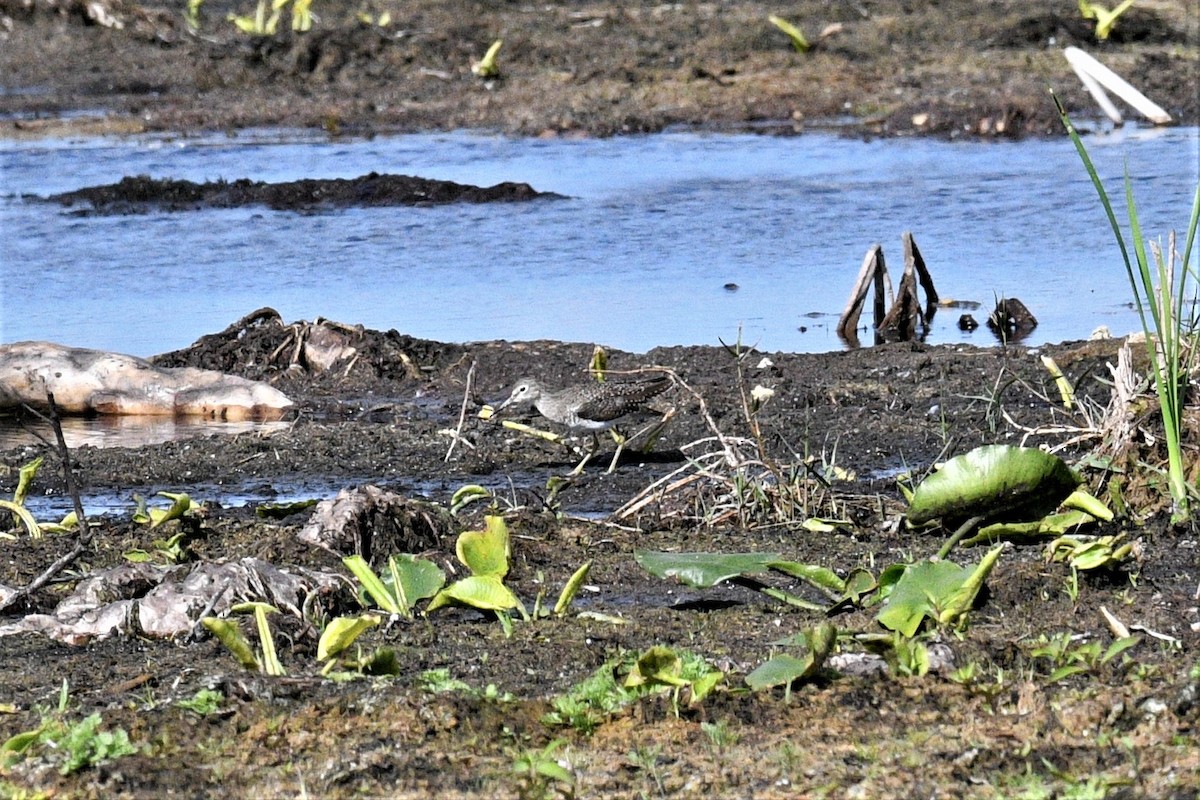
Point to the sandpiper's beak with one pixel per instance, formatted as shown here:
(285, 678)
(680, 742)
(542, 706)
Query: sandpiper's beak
(493, 408)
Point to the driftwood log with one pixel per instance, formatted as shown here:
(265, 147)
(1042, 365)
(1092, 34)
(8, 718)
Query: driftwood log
(906, 319)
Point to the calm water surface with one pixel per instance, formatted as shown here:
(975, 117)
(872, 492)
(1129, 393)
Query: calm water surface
(638, 257)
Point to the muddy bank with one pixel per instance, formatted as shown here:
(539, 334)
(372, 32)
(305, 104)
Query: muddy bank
(1005, 724)
(142, 195)
(950, 69)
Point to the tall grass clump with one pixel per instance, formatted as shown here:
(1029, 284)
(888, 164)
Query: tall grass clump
(1163, 290)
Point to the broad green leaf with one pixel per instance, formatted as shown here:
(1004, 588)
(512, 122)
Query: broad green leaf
(485, 552)
(412, 579)
(782, 670)
(994, 481)
(705, 569)
(574, 583)
(955, 607)
(372, 584)
(702, 687)
(341, 632)
(230, 635)
(486, 592)
(918, 592)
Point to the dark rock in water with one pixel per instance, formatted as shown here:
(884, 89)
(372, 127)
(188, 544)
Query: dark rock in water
(1011, 320)
(967, 323)
(142, 194)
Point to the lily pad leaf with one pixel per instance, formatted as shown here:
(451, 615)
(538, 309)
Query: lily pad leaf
(703, 570)
(941, 590)
(783, 670)
(994, 481)
(411, 579)
(485, 552)
(485, 592)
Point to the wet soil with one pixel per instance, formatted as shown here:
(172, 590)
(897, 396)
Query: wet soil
(1123, 728)
(949, 68)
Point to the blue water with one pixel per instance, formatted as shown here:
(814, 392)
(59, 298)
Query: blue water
(638, 257)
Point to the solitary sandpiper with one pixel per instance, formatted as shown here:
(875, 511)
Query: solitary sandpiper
(591, 407)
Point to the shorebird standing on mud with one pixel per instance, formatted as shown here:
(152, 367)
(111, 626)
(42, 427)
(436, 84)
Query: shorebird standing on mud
(591, 407)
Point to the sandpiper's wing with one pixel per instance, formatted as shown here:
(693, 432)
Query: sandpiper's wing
(605, 402)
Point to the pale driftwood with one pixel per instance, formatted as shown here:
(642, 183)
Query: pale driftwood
(872, 272)
(1096, 78)
(91, 381)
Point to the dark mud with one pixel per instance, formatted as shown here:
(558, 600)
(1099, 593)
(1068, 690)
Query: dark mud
(956, 68)
(1126, 728)
(142, 195)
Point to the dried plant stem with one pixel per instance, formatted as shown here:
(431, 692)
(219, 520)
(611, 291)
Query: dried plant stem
(85, 531)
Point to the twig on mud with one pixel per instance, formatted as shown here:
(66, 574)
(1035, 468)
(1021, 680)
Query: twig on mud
(85, 531)
(462, 414)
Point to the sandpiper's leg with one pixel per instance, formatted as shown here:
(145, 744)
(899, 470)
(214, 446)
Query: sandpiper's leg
(620, 440)
(588, 456)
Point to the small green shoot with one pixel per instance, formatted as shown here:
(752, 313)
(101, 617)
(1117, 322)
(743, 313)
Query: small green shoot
(465, 495)
(1104, 18)
(799, 42)
(1067, 659)
(340, 633)
(230, 635)
(1090, 552)
(192, 15)
(181, 507)
(488, 66)
(203, 703)
(540, 769)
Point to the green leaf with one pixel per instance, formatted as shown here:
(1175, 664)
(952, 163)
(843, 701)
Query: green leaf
(485, 552)
(1118, 647)
(25, 480)
(22, 514)
(412, 579)
(1052, 525)
(956, 606)
(818, 576)
(485, 592)
(658, 665)
(341, 632)
(994, 481)
(180, 505)
(230, 634)
(465, 495)
(783, 670)
(703, 570)
(799, 42)
(941, 590)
